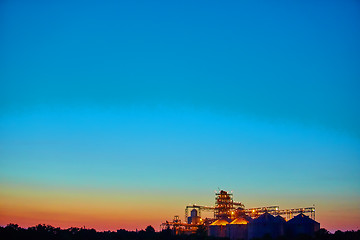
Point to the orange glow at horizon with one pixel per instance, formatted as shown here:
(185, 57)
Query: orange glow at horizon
(100, 210)
(107, 210)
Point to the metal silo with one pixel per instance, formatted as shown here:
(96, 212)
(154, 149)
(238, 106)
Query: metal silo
(194, 218)
(238, 228)
(265, 224)
(218, 228)
(302, 224)
(280, 225)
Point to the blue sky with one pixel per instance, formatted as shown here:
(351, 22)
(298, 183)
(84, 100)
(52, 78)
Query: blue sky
(258, 97)
(285, 60)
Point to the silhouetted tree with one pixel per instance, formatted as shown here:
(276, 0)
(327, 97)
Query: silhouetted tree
(322, 234)
(47, 232)
(303, 237)
(149, 229)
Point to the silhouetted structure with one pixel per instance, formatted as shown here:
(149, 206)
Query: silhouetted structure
(231, 219)
(218, 228)
(265, 224)
(302, 224)
(238, 228)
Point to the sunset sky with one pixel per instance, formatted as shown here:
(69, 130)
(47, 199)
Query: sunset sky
(117, 114)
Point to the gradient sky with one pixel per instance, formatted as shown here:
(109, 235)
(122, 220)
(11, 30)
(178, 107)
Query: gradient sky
(117, 114)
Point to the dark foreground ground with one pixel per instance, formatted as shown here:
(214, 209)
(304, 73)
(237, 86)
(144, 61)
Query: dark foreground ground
(46, 232)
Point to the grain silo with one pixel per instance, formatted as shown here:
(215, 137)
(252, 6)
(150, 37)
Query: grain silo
(218, 228)
(238, 228)
(302, 224)
(194, 218)
(265, 224)
(281, 222)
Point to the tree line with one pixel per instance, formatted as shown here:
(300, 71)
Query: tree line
(47, 232)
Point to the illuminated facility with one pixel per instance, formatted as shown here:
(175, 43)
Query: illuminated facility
(231, 219)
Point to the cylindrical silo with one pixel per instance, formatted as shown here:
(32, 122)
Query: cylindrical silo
(237, 229)
(265, 224)
(218, 228)
(302, 224)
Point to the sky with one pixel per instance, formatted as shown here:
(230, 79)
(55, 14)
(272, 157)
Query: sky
(117, 114)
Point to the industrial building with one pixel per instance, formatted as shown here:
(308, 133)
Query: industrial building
(232, 220)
